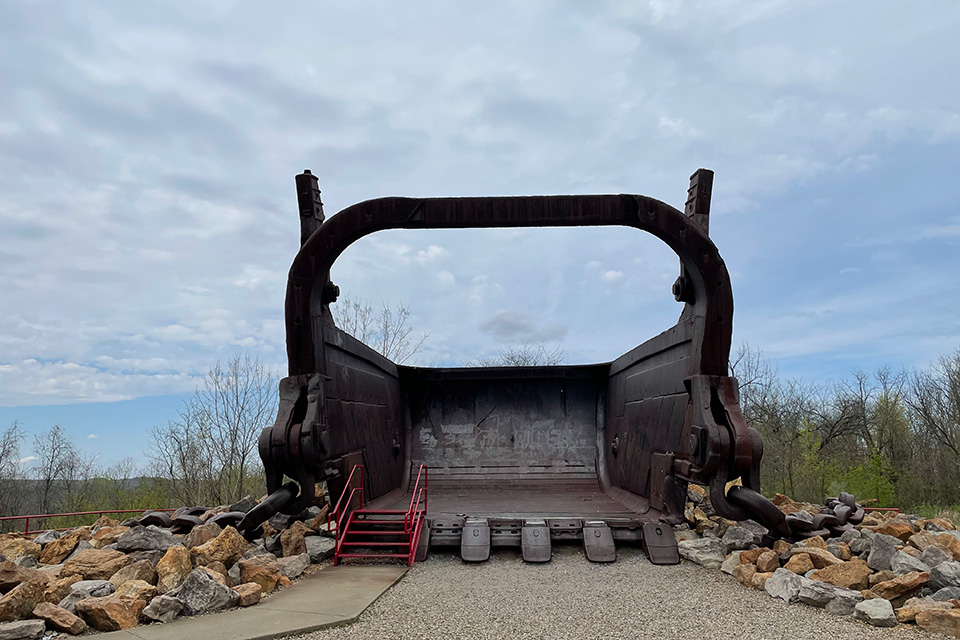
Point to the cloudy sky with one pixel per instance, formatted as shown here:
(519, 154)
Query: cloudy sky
(148, 213)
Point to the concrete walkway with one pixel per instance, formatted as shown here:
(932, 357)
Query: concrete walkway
(331, 597)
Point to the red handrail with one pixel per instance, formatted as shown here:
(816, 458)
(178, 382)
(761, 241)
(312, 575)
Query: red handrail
(416, 496)
(38, 516)
(334, 516)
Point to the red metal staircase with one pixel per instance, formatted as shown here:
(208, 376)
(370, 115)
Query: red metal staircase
(377, 533)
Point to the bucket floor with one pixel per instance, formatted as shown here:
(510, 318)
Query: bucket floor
(576, 499)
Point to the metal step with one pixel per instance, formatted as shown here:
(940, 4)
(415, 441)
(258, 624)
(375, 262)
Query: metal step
(660, 543)
(374, 544)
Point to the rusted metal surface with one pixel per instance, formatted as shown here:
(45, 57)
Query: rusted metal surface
(639, 428)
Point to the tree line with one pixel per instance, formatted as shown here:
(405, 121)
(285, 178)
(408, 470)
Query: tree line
(891, 435)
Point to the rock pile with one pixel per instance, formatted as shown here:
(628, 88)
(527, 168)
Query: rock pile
(112, 576)
(889, 569)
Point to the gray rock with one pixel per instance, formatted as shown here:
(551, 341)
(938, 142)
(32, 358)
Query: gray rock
(27, 562)
(258, 550)
(934, 556)
(47, 536)
(844, 602)
(22, 630)
(683, 534)
(882, 550)
(319, 548)
(153, 557)
(835, 549)
(860, 545)
(945, 574)
(878, 612)
(816, 593)
(293, 566)
(707, 552)
(711, 533)
(850, 535)
(110, 547)
(736, 537)
(903, 562)
(784, 585)
(234, 573)
(163, 608)
(200, 593)
(53, 569)
(245, 504)
(809, 573)
(83, 545)
(693, 496)
(947, 593)
(806, 516)
(272, 543)
(730, 562)
(86, 589)
(150, 538)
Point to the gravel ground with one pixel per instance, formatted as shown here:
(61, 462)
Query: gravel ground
(570, 597)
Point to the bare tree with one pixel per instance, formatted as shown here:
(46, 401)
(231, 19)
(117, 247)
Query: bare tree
(526, 354)
(210, 451)
(59, 466)
(11, 496)
(387, 331)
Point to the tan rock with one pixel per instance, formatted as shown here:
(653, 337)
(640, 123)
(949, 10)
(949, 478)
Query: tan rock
(96, 564)
(821, 558)
(59, 619)
(216, 575)
(21, 600)
(849, 575)
(263, 570)
(759, 580)
(881, 576)
(816, 542)
(949, 544)
(12, 574)
(695, 488)
(897, 528)
(284, 581)
(800, 564)
(138, 589)
(111, 613)
(173, 568)
(945, 621)
(140, 570)
(870, 521)
(107, 535)
(228, 547)
(911, 551)
(57, 551)
(269, 530)
(221, 570)
(750, 555)
(202, 534)
(786, 504)
(781, 546)
(842, 551)
(768, 562)
(906, 584)
(908, 613)
(16, 547)
(250, 593)
(744, 573)
(58, 589)
(292, 542)
(320, 520)
(943, 523)
(106, 521)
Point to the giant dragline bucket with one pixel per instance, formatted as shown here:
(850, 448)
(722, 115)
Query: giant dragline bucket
(515, 455)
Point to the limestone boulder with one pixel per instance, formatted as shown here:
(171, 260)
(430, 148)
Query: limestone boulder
(228, 547)
(200, 593)
(202, 534)
(96, 564)
(800, 564)
(932, 556)
(86, 589)
(768, 562)
(107, 535)
(22, 630)
(784, 585)
(173, 568)
(150, 538)
(12, 574)
(945, 574)
(908, 612)
(141, 570)
(20, 601)
(905, 585)
(59, 619)
(137, 589)
(57, 590)
(900, 529)
(16, 547)
(903, 562)
(848, 575)
(58, 550)
(707, 552)
(260, 570)
(163, 609)
(293, 566)
(250, 593)
(111, 613)
(945, 621)
(877, 612)
(744, 573)
(728, 565)
(735, 538)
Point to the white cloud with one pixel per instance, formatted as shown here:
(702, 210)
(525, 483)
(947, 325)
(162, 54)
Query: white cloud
(447, 278)
(430, 254)
(612, 276)
(92, 436)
